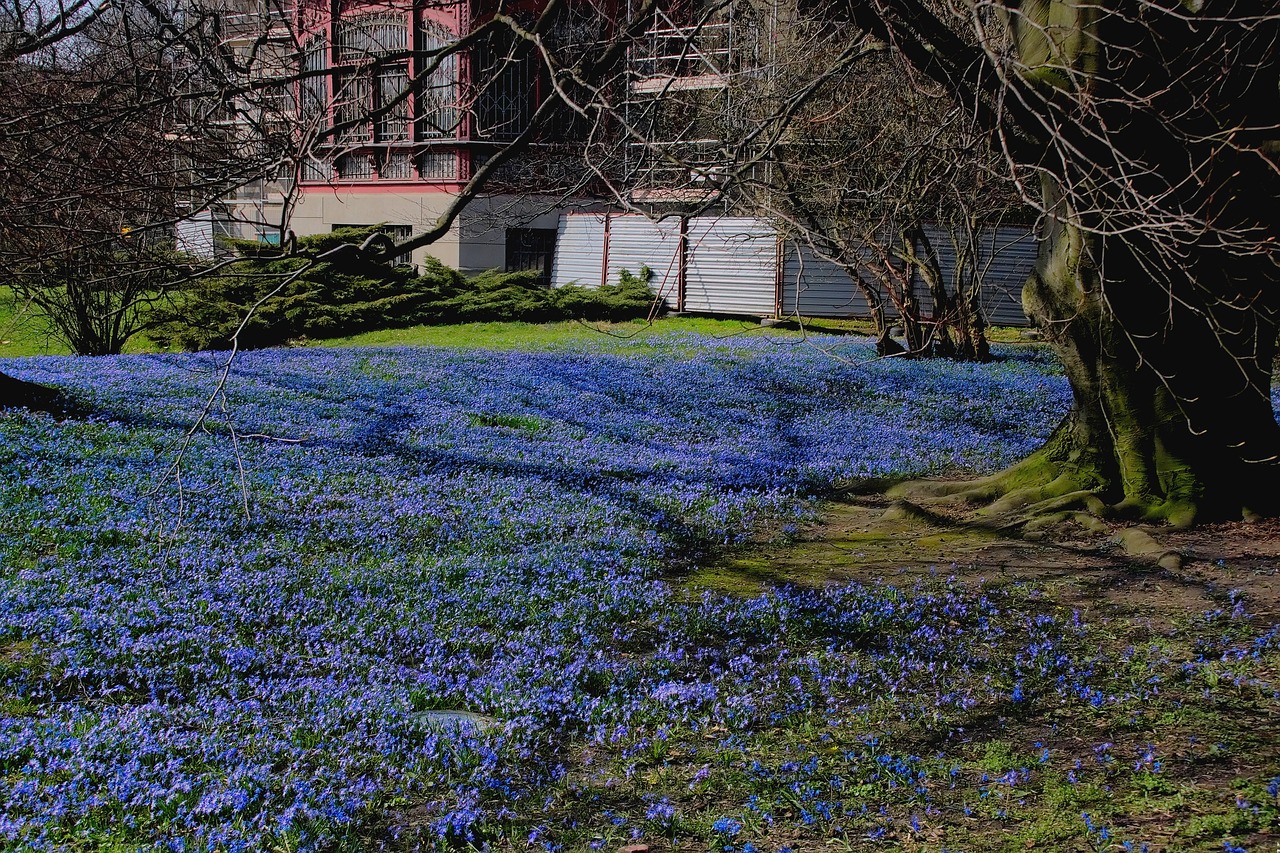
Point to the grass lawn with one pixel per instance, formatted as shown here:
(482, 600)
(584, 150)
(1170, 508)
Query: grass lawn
(534, 335)
(566, 596)
(24, 331)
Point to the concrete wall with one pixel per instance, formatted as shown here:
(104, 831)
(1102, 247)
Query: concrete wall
(477, 241)
(320, 208)
(484, 224)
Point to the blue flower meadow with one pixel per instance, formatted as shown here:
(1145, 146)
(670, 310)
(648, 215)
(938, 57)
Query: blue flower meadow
(437, 530)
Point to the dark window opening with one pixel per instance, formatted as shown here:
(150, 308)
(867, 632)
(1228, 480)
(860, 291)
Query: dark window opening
(505, 77)
(531, 249)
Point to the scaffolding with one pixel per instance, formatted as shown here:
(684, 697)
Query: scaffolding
(684, 97)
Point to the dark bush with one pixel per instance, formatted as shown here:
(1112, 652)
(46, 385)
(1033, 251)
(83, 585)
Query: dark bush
(270, 302)
(631, 297)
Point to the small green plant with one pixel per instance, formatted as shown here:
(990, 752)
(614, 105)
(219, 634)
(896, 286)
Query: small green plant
(525, 423)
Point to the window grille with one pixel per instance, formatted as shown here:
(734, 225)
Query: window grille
(316, 170)
(396, 166)
(398, 233)
(312, 96)
(531, 249)
(506, 81)
(438, 89)
(438, 165)
(395, 232)
(393, 116)
(354, 167)
(351, 106)
(277, 110)
(369, 36)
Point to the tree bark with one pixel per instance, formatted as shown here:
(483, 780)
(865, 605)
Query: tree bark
(1172, 416)
(1158, 275)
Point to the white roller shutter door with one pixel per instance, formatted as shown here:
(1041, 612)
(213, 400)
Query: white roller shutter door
(637, 241)
(580, 247)
(731, 266)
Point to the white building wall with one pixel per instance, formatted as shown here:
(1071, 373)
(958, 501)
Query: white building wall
(477, 241)
(321, 208)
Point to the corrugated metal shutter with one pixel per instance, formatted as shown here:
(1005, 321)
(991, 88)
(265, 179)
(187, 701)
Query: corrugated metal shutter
(580, 248)
(1007, 256)
(1012, 253)
(194, 235)
(731, 266)
(815, 287)
(636, 241)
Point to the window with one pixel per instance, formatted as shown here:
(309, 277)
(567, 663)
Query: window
(354, 167)
(438, 88)
(506, 89)
(392, 123)
(396, 166)
(375, 81)
(531, 249)
(371, 36)
(351, 106)
(380, 88)
(316, 170)
(438, 165)
(395, 232)
(313, 98)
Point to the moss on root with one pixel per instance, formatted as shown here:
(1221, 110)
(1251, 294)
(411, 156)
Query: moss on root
(1052, 485)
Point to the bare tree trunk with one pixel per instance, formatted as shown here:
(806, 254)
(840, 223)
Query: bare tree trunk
(1154, 136)
(920, 254)
(1172, 416)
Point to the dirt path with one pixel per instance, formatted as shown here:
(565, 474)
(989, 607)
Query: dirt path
(871, 538)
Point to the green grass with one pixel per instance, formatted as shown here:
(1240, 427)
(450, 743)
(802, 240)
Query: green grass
(513, 335)
(539, 335)
(25, 331)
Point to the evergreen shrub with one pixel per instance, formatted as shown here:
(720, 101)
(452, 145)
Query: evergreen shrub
(290, 299)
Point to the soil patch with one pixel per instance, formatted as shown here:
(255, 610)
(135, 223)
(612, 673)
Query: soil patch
(873, 539)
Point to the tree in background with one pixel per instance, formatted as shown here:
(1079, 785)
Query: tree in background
(789, 110)
(884, 173)
(109, 130)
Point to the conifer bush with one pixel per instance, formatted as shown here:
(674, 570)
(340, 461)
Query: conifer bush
(264, 301)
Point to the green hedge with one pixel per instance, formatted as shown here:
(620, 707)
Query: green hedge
(346, 295)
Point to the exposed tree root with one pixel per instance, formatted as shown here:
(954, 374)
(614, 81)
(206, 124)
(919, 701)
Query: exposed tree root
(1139, 544)
(1061, 483)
